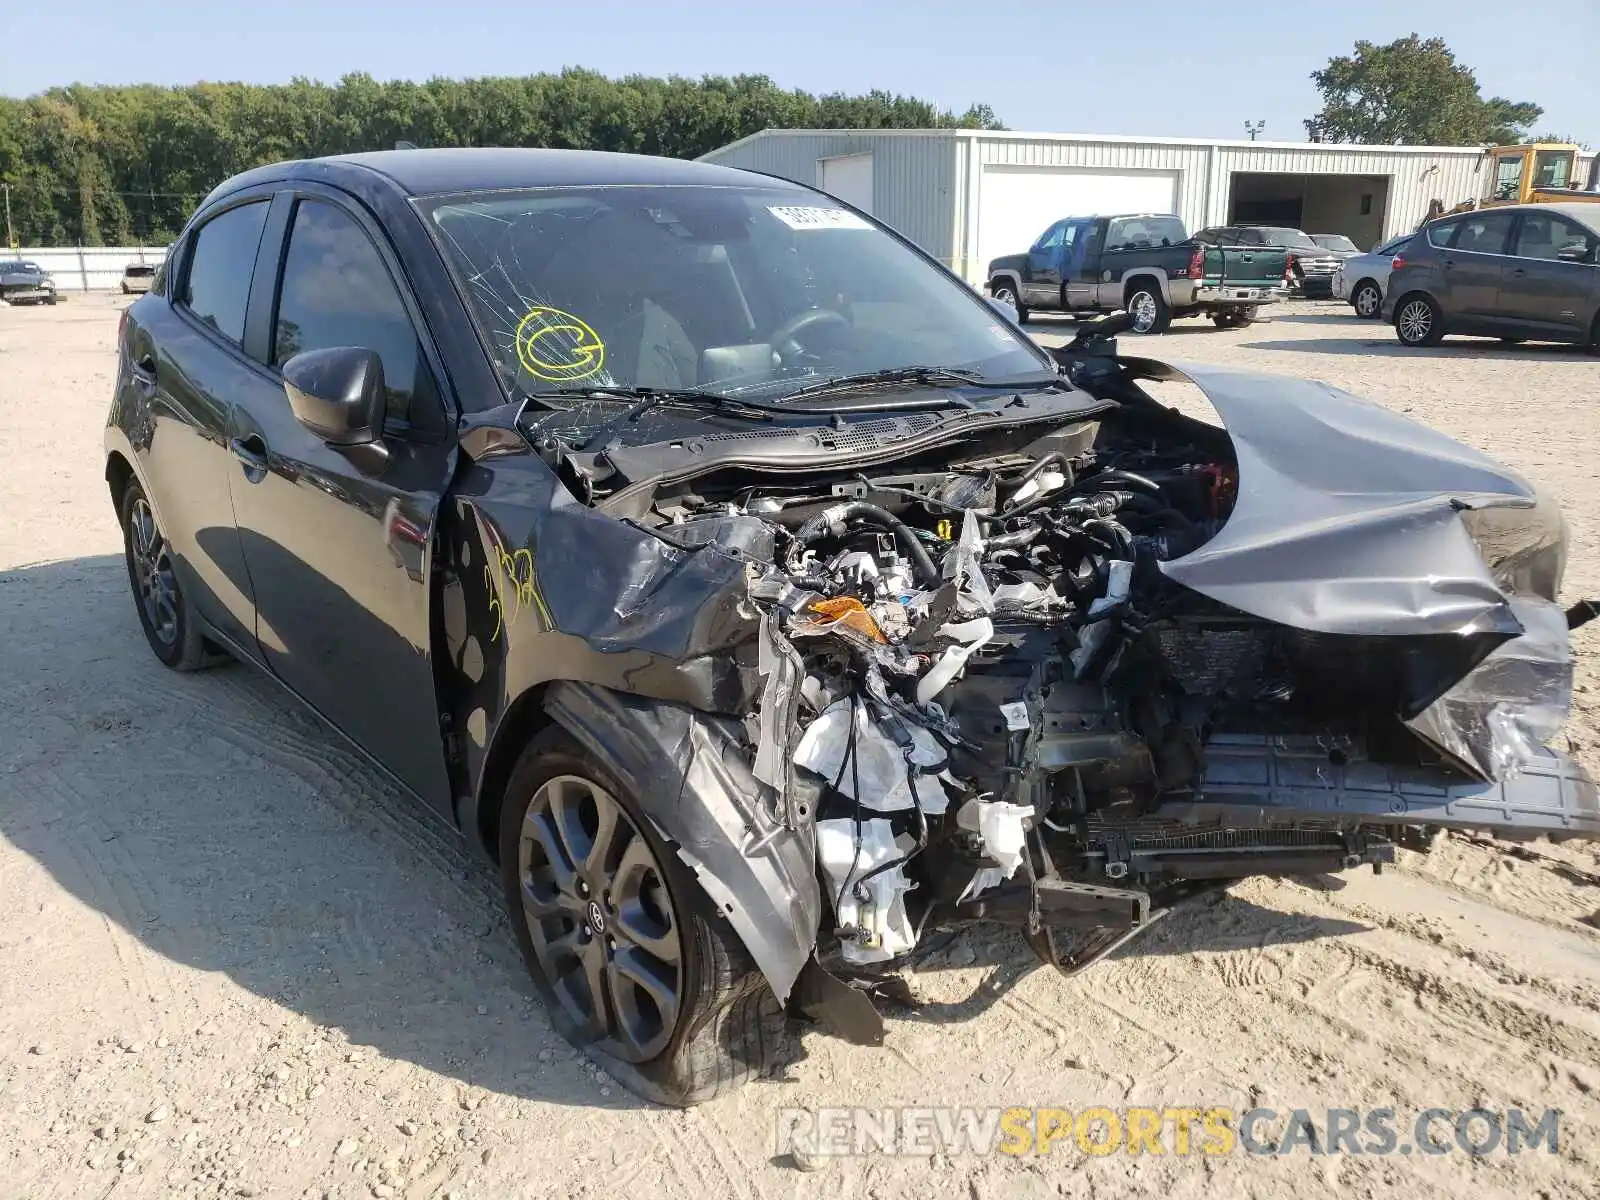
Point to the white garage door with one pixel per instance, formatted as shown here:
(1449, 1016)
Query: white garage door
(849, 178)
(1017, 204)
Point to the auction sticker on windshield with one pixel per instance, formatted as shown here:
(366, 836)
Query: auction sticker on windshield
(801, 217)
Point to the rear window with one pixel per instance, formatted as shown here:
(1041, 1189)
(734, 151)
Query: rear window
(135, 269)
(1143, 233)
(220, 266)
(1288, 239)
(1483, 233)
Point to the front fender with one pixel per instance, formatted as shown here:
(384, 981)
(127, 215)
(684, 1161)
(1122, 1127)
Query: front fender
(690, 773)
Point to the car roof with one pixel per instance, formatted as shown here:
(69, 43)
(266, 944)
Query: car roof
(462, 169)
(1583, 212)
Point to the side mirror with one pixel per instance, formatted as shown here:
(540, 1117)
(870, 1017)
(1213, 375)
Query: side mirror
(337, 393)
(1573, 252)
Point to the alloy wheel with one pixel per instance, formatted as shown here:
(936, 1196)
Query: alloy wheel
(1143, 310)
(600, 917)
(152, 572)
(1006, 296)
(1416, 321)
(1367, 302)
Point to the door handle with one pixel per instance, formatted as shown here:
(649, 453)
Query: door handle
(143, 371)
(252, 453)
(1518, 272)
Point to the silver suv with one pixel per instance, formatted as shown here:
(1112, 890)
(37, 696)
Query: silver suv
(1519, 272)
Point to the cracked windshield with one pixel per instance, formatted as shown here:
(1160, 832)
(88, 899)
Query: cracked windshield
(731, 291)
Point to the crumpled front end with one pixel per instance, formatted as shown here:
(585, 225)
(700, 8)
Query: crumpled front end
(1065, 679)
(1067, 687)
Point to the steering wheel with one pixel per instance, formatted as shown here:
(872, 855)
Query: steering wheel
(784, 339)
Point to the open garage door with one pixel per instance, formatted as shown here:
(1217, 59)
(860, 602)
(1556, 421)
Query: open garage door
(1353, 205)
(1017, 204)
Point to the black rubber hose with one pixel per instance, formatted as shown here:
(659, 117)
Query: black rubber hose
(1121, 476)
(1010, 541)
(1054, 458)
(833, 520)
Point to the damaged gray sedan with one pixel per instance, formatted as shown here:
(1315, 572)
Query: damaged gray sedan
(761, 600)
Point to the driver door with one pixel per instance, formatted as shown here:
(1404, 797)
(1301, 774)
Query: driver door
(336, 539)
(1043, 283)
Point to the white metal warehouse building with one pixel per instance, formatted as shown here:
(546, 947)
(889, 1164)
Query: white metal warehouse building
(969, 196)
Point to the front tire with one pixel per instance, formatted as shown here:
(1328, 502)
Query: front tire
(169, 626)
(1418, 321)
(1367, 300)
(1006, 292)
(1149, 309)
(629, 956)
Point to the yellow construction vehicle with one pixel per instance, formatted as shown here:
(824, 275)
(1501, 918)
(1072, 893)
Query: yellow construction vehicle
(1537, 173)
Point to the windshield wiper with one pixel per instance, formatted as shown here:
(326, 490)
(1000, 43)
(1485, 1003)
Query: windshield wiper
(931, 376)
(648, 398)
(926, 376)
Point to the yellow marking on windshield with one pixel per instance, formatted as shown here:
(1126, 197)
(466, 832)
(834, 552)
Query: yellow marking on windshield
(556, 345)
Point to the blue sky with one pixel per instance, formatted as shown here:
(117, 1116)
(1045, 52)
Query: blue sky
(1155, 68)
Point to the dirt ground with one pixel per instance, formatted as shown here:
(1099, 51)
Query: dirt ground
(234, 962)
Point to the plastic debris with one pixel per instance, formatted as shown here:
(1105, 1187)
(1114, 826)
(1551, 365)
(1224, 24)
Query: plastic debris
(881, 928)
(882, 766)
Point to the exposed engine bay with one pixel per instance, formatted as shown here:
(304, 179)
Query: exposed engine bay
(1065, 675)
(990, 657)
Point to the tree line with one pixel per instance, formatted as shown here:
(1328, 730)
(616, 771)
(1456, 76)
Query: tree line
(98, 165)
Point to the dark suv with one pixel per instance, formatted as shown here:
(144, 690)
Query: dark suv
(1529, 271)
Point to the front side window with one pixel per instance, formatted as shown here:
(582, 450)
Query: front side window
(1548, 236)
(1052, 237)
(217, 287)
(1483, 233)
(336, 291)
(735, 290)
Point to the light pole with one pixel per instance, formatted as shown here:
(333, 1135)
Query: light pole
(1253, 128)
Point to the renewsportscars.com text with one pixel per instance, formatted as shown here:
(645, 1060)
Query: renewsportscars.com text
(1101, 1130)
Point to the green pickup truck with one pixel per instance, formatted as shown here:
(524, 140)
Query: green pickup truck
(1147, 264)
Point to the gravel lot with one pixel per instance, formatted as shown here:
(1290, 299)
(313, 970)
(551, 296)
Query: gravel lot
(236, 963)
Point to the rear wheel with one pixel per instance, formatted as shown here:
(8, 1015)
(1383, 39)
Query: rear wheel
(1418, 321)
(1148, 308)
(1367, 300)
(164, 614)
(1005, 291)
(629, 955)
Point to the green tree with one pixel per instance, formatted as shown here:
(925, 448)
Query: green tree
(1411, 92)
(103, 165)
